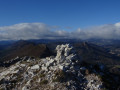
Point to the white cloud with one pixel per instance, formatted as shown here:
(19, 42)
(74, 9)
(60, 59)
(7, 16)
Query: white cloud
(117, 25)
(29, 31)
(43, 31)
(108, 31)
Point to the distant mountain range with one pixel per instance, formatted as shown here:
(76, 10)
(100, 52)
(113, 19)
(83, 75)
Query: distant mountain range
(94, 41)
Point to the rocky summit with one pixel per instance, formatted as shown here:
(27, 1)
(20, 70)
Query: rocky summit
(61, 72)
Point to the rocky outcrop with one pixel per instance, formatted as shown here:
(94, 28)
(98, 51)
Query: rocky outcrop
(64, 60)
(63, 71)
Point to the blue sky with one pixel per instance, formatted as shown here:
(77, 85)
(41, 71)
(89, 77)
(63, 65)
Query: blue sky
(64, 13)
(51, 19)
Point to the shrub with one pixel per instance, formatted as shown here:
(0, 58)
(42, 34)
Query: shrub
(87, 72)
(44, 82)
(60, 76)
(42, 75)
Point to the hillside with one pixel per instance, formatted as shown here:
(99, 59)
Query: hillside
(96, 54)
(24, 48)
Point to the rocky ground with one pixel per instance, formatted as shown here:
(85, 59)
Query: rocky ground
(61, 72)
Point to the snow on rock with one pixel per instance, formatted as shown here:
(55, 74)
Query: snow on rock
(93, 82)
(63, 51)
(82, 68)
(35, 67)
(62, 72)
(10, 70)
(22, 65)
(63, 58)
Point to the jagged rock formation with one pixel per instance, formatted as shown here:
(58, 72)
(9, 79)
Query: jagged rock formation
(51, 73)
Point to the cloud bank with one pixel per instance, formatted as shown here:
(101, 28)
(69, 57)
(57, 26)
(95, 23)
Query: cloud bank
(42, 31)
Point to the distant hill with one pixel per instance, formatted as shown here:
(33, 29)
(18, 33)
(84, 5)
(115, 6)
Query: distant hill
(95, 54)
(104, 42)
(24, 48)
